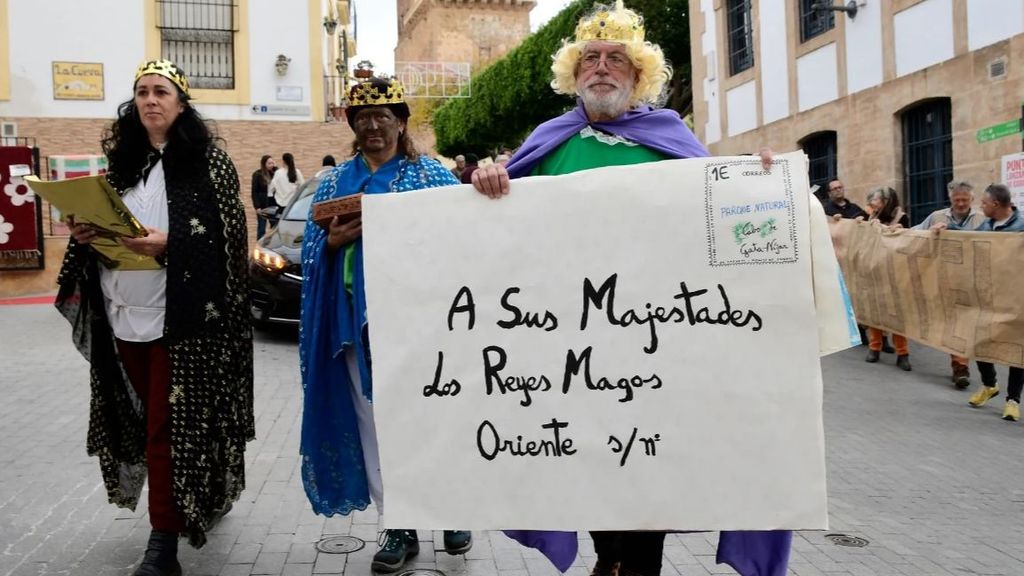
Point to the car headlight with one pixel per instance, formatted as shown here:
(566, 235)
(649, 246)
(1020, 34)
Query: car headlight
(269, 259)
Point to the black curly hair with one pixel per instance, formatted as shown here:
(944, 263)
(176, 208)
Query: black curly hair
(126, 142)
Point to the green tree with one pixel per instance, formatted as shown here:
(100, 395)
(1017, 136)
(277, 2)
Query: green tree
(513, 95)
(668, 25)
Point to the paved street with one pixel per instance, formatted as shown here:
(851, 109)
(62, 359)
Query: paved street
(935, 487)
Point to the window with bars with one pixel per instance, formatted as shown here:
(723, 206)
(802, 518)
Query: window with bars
(815, 22)
(927, 156)
(199, 36)
(740, 26)
(821, 160)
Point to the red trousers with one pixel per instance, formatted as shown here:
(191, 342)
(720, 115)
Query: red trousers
(149, 370)
(875, 342)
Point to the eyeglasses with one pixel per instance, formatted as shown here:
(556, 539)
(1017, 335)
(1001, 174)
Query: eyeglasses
(381, 117)
(614, 61)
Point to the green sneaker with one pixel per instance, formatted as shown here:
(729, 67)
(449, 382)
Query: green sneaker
(457, 541)
(396, 547)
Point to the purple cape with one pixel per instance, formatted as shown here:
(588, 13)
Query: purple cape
(751, 553)
(661, 130)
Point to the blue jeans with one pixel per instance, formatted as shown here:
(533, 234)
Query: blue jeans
(261, 226)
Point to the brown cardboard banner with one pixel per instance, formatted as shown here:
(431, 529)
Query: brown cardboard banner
(956, 291)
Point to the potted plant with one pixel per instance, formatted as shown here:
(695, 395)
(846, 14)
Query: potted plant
(364, 69)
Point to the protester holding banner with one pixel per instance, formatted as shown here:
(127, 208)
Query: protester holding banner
(178, 329)
(1000, 216)
(885, 208)
(341, 465)
(838, 206)
(960, 215)
(617, 76)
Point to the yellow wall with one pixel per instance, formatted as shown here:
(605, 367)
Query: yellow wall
(316, 59)
(342, 9)
(5, 53)
(240, 94)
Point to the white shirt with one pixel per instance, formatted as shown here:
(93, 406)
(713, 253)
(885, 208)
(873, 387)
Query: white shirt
(281, 189)
(136, 299)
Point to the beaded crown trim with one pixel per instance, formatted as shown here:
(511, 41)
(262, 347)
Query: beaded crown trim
(164, 68)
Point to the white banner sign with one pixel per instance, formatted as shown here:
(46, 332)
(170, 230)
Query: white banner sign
(625, 348)
(1013, 177)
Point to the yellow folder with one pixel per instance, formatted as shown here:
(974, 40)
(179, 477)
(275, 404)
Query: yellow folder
(92, 200)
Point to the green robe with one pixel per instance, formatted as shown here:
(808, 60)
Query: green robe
(596, 150)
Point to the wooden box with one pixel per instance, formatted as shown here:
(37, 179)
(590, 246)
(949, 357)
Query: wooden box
(345, 208)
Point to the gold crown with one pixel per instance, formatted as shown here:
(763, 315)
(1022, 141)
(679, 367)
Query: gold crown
(617, 24)
(377, 92)
(164, 68)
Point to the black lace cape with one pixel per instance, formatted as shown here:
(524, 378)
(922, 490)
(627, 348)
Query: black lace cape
(208, 335)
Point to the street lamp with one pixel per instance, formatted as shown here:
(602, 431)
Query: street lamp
(330, 25)
(850, 7)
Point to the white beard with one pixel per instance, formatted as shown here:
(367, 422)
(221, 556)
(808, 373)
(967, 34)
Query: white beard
(610, 104)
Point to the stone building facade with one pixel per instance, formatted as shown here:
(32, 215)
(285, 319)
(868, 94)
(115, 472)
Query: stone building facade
(474, 31)
(893, 96)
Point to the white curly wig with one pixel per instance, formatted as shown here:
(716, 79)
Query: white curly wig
(620, 25)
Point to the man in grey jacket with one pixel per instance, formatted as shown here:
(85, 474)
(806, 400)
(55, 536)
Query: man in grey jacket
(960, 215)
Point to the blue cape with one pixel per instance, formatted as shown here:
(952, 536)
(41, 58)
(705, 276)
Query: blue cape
(334, 320)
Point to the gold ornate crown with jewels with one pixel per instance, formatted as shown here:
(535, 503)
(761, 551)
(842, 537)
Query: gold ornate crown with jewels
(377, 92)
(164, 68)
(618, 24)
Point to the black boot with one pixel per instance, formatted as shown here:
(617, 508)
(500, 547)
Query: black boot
(396, 547)
(457, 541)
(605, 568)
(161, 557)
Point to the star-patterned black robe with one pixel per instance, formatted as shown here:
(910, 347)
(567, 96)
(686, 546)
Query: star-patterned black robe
(208, 335)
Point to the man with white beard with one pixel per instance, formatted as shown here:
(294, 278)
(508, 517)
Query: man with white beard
(617, 78)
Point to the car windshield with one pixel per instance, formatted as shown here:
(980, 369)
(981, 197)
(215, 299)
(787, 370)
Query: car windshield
(299, 209)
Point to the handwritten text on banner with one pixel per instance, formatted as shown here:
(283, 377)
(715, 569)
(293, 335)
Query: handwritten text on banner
(623, 348)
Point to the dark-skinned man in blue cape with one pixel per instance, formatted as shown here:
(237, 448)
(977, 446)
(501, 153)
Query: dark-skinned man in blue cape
(340, 461)
(616, 75)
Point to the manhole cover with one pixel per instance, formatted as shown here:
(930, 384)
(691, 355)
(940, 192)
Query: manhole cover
(845, 540)
(421, 572)
(340, 545)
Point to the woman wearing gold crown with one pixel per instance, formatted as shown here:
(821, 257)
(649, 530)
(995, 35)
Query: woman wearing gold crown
(617, 77)
(178, 327)
(340, 464)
